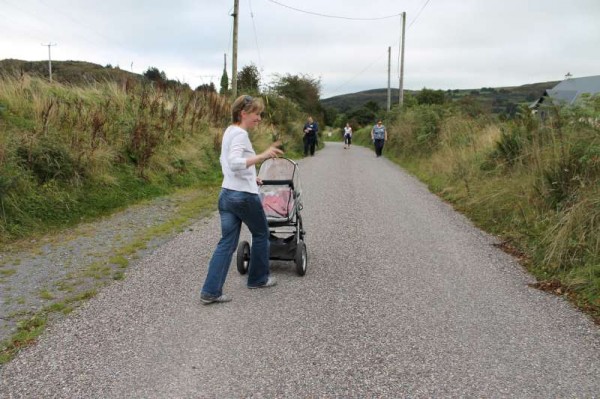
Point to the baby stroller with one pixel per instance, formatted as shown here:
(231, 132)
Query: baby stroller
(281, 197)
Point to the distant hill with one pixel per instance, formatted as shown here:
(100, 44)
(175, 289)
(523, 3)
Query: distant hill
(67, 72)
(495, 100)
(347, 102)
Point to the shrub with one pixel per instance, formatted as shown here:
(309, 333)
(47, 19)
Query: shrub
(509, 147)
(49, 160)
(430, 121)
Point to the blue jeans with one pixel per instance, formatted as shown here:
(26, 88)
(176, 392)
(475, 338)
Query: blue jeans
(236, 207)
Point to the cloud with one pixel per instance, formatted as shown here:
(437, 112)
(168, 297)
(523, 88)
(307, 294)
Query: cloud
(449, 43)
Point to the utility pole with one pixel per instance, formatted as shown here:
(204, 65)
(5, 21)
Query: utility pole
(401, 91)
(236, 6)
(389, 91)
(49, 59)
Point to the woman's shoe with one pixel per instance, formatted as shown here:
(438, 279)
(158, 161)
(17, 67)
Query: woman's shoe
(211, 299)
(270, 283)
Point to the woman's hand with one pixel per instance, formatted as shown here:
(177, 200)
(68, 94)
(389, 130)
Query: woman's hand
(272, 151)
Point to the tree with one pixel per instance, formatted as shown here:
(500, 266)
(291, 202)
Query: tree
(372, 106)
(224, 83)
(428, 96)
(470, 106)
(410, 100)
(153, 74)
(208, 88)
(362, 116)
(304, 90)
(330, 115)
(249, 79)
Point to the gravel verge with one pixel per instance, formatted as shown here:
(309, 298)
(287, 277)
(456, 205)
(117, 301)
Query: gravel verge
(61, 270)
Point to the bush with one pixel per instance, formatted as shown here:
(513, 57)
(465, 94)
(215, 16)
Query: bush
(48, 161)
(509, 148)
(430, 122)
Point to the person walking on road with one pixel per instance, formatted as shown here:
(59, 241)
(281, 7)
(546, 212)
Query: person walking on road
(311, 128)
(347, 136)
(379, 136)
(239, 203)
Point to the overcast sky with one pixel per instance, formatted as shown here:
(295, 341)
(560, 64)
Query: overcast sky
(450, 44)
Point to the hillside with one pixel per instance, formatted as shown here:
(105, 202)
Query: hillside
(67, 72)
(495, 100)
(346, 102)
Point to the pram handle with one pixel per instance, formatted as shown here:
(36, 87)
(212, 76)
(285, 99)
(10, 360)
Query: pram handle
(278, 183)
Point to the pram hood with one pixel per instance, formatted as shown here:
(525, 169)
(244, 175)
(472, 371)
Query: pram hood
(281, 191)
(281, 169)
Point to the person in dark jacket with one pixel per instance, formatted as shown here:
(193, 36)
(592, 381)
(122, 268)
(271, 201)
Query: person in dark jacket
(310, 136)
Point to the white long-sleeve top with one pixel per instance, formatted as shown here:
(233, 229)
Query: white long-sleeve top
(235, 149)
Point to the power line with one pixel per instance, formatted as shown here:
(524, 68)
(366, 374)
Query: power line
(411, 24)
(83, 23)
(361, 72)
(333, 16)
(355, 19)
(255, 35)
(383, 54)
(419, 13)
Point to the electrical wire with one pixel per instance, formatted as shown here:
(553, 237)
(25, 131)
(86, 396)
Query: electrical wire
(255, 36)
(87, 27)
(345, 18)
(383, 54)
(419, 13)
(409, 25)
(358, 74)
(332, 16)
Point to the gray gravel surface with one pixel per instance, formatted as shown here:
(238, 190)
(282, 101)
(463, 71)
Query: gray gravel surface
(403, 298)
(51, 269)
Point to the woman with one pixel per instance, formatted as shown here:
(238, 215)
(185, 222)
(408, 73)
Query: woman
(379, 136)
(347, 136)
(311, 130)
(239, 202)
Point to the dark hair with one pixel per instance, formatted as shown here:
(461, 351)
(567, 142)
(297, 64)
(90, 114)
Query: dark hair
(245, 103)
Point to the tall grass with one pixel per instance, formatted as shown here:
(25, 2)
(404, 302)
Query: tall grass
(535, 182)
(68, 153)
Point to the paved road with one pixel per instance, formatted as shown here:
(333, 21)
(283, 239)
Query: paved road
(403, 298)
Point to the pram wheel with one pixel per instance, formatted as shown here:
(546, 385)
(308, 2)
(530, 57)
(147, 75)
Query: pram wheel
(243, 257)
(301, 259)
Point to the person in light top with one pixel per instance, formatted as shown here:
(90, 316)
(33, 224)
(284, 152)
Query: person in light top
(239, 203)
(347, 135)
(379, 136)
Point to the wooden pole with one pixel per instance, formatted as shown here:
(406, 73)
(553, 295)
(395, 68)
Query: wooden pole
(236, 6)
(389, 91)
(401, 92)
